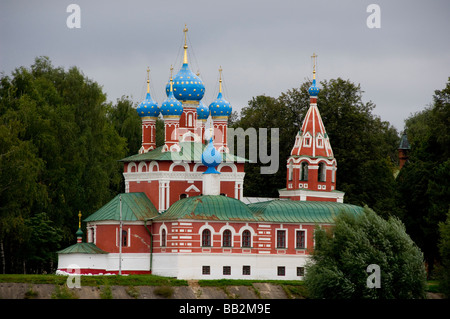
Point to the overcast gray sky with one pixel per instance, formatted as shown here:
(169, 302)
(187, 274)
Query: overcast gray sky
(264, 47)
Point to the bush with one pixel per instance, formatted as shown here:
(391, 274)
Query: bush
(338, 267)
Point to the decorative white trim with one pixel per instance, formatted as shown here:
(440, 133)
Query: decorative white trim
(191, 188)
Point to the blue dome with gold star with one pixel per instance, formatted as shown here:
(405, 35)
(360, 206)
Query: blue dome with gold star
(187, 86)
(171, 106)
(148, 107)
(220, 107)
(202, 111)
(313, 89)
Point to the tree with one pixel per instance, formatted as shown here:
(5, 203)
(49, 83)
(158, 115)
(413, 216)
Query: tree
(58, 153)
(127, 123)
(342, 254)
(423, 183)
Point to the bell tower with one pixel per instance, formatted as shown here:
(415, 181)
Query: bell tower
(311, 167)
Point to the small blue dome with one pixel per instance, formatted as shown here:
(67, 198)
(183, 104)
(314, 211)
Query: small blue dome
(171, 106)
(220, 107)
(148, 107)
(313, 89)
(186, 85)
(202, 111)
(211, 158)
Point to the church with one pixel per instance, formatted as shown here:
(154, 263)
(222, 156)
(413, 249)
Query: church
(183, 213)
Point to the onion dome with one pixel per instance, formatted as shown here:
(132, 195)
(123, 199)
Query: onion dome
(202, 111)
(148, 107)
(211, 158)
(187, 86)
(313, 89)
(220, 107)
(171, 106)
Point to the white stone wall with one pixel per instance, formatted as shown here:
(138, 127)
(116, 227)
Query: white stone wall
(189, 266)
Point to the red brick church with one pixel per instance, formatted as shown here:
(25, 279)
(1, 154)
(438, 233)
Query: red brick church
(183, 213)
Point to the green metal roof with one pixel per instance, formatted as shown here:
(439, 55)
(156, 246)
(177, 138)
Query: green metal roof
(289, 211)
(224, 208)
(208, 207)
(82, 248)
(135, 206)
(190, 151)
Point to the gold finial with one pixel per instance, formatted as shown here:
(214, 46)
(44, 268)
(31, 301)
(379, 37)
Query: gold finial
(185, 30)
(220, 79)
(314, 56)
(171, 82)
(148, 80)
(79, 219)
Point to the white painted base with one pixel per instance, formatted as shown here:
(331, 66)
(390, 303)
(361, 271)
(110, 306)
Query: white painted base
(108, 262)
(189, 266)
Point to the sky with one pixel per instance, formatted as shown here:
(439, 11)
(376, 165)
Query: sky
(263, 47)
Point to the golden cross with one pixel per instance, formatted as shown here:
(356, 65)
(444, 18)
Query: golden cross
(185, 30)
(220, 79)
(314, 56)
(79, 219)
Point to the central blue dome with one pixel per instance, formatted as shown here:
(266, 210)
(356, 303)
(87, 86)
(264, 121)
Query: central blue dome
(187, 86)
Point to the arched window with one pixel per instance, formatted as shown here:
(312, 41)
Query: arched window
(206, 238)
(246, 238)
(321, 173)
(163, 238)
(226, 238)
(290, 171)
(304, 172)
(183, 196)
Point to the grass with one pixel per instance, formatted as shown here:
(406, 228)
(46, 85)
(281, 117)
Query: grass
(164, 291)
(113, 280)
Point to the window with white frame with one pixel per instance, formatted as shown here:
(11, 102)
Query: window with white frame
(300, 239)
(246, 239)
(281, 238)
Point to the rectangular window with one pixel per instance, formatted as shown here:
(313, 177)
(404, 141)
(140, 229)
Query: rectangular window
(281, 270)
(281, 239)
(246, 270)
(300, 271)
(227, 270)
(300, 239)
(206, 270)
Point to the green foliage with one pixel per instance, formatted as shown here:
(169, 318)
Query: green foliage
(423, 183)
(444, 249)
(164, 291)
(342, 255)
(58, 155)
(63, 292)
